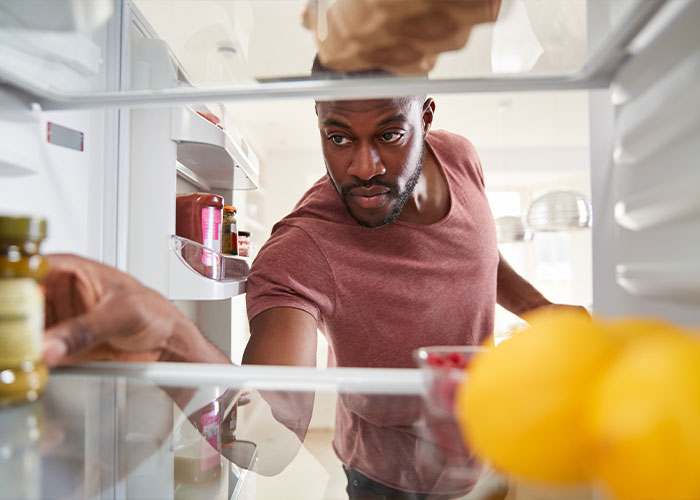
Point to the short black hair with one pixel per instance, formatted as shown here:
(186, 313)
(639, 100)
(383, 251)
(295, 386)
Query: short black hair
(320, 70)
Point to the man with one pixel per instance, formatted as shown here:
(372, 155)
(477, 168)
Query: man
(393, 250)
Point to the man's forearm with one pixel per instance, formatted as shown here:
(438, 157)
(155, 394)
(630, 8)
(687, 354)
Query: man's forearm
(188, 344)
(515, 293)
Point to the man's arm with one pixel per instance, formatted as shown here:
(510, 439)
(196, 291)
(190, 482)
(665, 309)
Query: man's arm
(282, 336)
(95, 312)
(515, 293)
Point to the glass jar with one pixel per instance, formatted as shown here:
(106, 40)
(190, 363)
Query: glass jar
(244, 243)
(22, 372)
(229, 232)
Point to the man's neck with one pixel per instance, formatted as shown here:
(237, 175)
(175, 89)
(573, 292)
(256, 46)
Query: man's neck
(430, 199)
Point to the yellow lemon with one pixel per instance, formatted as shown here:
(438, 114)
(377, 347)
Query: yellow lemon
(521, 406)
(644, 419)
(626, 330)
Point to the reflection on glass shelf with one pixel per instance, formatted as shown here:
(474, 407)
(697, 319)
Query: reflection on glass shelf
(208, 263)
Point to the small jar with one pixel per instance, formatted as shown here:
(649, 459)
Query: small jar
(229, 231)
(22, 372)
(244, 243)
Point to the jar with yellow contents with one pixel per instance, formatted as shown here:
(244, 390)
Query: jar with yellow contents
(22, 373)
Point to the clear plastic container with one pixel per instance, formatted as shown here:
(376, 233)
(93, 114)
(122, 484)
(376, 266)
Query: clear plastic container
(219, 267)
(444, 368)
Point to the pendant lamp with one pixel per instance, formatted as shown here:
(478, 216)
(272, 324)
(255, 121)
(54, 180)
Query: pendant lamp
(510, 229)
(559, 211)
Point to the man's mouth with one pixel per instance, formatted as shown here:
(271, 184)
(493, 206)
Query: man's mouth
(370, 197)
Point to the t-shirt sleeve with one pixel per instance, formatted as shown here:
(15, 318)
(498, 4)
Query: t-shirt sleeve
(459, 151)
(473, 160)
(290, 271)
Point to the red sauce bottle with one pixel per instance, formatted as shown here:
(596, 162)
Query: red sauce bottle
(198, 217)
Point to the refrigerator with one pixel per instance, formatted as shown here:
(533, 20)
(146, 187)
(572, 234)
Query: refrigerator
(103, 119)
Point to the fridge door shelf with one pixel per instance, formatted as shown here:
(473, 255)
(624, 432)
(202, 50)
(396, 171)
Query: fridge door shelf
(198, 273)
(667, 203)
(24, 154)
(213, 153)
(675, 281)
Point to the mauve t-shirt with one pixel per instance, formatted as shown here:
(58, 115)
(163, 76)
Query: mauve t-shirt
(380, 293)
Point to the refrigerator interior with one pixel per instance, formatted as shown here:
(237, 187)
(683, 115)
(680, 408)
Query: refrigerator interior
(615, 103)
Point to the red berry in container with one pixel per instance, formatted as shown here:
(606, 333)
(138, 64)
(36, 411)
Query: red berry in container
(454, 358)
(434, 359)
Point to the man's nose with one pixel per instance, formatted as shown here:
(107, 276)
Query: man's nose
(366, 163)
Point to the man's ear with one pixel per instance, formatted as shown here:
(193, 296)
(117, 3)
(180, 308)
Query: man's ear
(316, 108)
(428, 113)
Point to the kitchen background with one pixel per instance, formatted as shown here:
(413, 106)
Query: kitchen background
(530, 143)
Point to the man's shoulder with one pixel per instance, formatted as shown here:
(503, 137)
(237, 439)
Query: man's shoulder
(458, 154)
(442, 139)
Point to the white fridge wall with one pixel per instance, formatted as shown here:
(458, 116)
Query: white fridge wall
(68, 189)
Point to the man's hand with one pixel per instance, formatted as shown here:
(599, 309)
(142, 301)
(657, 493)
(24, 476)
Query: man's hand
(95, 312)
(572, 308)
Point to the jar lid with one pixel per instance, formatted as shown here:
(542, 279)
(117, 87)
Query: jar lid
(243, 233)
(230, 208)
(22, 228)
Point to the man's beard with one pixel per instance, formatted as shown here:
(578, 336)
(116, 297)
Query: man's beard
(401, 197)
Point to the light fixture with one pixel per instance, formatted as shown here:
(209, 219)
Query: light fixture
(559, 211)
(510, 229)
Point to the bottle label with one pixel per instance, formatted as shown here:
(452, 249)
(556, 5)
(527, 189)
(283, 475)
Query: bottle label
(21, 321)
(244, 246)
(211, 233)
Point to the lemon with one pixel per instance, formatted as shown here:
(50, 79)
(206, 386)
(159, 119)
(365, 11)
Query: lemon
(644, 417)
(626, 330)
(522, 404)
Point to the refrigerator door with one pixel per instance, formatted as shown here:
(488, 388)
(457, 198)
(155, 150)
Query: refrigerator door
(645, 141)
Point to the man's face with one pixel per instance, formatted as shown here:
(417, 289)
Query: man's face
(373, 151)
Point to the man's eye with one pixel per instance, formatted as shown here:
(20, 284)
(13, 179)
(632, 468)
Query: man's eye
(391, 136)
(338, 140)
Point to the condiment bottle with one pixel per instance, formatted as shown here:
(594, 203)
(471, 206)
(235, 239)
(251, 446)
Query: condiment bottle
(229, 238)
(198, 218)
(244, 243)
(22, 372)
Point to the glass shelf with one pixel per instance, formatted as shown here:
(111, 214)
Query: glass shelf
(224, 50)
(134, 431)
